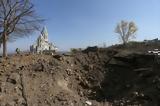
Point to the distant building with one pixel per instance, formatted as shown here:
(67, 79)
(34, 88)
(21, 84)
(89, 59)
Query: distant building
(42, 43)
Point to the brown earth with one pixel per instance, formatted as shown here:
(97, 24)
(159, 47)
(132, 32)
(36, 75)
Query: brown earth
(114, 76)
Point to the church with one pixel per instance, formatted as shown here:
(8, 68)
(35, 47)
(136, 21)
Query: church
(42, 44)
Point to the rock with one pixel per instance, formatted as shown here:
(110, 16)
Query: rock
(136, 93)
(115, 62)
(67, 54)
(13, 78)
(69, 71)
(147, 74)
(39, 67)
(142, 69)
(57, 56)
(11, 104)
(91, 49)
(88, 103)
(13, 81)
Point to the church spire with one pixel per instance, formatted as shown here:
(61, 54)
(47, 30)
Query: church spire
(45, 33)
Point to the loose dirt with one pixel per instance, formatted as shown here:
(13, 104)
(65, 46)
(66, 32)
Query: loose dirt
(114, 76)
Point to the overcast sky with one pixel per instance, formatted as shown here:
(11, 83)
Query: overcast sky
(82, 23)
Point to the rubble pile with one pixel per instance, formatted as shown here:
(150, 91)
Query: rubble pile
(93, 77)
(46, 80)
(132, 79)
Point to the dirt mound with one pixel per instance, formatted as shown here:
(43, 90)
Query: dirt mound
(132, 79)
(43, 80)
(93, 77)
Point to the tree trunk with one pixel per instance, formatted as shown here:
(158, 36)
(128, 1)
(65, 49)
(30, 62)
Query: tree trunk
(123, 40)
(4, 45)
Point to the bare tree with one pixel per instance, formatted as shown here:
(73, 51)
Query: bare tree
(17, 19)
(126, 31)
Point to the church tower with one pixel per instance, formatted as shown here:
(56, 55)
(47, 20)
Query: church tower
(45, 33)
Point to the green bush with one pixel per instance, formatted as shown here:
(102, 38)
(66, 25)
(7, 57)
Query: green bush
(74, 50)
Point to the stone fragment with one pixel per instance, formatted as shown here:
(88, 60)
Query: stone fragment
(89, 103)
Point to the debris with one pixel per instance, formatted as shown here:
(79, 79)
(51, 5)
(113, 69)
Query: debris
(89, 103)
(123, 77)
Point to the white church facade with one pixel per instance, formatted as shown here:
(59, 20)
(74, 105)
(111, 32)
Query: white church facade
(42, 43)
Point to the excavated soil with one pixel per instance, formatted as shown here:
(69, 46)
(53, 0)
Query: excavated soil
(114, 76)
